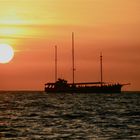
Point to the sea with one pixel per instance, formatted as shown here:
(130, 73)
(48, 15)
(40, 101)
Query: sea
(36, 115)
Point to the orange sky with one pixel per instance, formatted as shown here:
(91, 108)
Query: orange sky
(33, 27)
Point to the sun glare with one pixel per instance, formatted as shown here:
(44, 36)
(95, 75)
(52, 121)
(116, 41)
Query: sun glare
(6, 53)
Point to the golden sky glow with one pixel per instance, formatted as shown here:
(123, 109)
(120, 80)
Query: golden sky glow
(33, 27)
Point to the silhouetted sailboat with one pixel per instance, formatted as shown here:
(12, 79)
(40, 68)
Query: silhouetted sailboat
(62, 86)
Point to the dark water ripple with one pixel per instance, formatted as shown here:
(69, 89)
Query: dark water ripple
(36, 115)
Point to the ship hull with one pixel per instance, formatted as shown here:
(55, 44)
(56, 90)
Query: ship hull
(92, 89)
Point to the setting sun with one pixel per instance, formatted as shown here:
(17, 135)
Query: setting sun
(6, 53)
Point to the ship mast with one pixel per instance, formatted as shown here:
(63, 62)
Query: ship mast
(55, 63)
(73, 64)
(101, 68)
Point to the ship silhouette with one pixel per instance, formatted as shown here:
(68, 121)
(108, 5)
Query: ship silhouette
(62, 86)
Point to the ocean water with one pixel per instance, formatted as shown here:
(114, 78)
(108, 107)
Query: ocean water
(40, 116)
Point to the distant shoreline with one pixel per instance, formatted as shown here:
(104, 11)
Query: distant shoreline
(28, 91)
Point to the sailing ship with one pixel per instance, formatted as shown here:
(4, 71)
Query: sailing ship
(62, 86)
